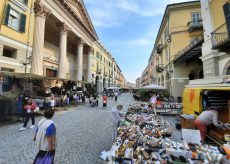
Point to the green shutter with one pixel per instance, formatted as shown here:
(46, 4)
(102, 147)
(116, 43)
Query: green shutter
(7, 14)
(22, 26)
(25, 2)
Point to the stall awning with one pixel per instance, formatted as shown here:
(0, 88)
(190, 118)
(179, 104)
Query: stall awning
(153, 86)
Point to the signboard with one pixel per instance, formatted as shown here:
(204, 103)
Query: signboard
(191, 136)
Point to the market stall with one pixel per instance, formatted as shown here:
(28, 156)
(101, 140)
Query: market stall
(146, 138)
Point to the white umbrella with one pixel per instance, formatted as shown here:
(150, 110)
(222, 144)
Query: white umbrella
(153, 86)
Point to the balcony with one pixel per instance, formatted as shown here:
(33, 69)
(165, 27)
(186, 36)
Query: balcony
(190, 52)
(220, 37)
(195, 25)
(159, 68)
(160, 48)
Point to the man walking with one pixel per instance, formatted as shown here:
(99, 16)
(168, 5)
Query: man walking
(116, 119)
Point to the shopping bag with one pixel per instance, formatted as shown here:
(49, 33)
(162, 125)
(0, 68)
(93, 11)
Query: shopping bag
(47, 159)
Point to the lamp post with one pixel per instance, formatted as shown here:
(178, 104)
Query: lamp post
(27, 62)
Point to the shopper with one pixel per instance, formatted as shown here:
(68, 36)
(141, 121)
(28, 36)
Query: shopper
(29, 107)
(116, 96)
(153, 101)
(116, 120)
(45, 139)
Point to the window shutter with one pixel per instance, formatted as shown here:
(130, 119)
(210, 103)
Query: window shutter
(226, 8)
(22, 26)
(25, 2)
(7, 14)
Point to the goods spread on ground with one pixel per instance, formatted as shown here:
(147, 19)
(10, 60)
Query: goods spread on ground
(146, 139)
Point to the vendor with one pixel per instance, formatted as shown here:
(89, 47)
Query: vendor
(116, 118)
(205, 119)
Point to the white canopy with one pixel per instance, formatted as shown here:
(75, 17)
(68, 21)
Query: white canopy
(113, 88)
(153, 86)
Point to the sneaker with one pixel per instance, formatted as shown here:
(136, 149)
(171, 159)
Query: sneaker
(32, 126)
(22, 129)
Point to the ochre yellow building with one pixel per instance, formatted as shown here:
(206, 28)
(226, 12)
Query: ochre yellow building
(177, 47)
(16, 34)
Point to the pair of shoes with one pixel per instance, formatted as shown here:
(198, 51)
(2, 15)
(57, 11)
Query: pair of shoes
(32, 126)
(22, 129)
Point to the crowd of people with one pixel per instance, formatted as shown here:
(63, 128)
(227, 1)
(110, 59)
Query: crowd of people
(45, 134)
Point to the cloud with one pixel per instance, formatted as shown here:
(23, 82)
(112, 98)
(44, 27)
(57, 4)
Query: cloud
(138, 42)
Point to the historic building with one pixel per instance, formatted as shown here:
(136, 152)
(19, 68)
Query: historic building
(177, 49)
(138, 82)
(215, 49)
(16, 35)
(103, 68)
(53, 38)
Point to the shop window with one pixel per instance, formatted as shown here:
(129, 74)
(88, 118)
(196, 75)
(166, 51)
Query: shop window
(14, 19)
(51, 73)
(7, 69)
(9, 52)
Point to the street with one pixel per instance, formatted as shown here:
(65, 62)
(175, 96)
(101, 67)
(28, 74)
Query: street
(82, 132)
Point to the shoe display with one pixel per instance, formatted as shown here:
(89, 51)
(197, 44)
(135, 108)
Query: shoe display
(22, 129)
(32, 126)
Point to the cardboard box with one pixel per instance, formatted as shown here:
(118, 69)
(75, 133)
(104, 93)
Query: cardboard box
(187, 123)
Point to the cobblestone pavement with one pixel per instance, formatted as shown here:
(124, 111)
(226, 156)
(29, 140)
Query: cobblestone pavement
(83, 133)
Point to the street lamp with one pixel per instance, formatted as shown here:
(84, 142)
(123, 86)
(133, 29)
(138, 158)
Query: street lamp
(27, 62)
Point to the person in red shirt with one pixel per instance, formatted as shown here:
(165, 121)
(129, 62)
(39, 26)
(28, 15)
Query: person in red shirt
(29, 107)
(104, 100)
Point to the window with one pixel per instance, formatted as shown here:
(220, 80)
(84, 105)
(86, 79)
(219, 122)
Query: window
(51, 73)
(98, 55)
(9, 52)
(7, 69)
(196, 18)
(14, 19)
(25, 2)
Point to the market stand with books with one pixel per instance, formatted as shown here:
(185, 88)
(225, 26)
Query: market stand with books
(146, 138)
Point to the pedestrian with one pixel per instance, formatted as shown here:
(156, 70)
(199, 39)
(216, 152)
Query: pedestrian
(116, 120)
(29, 107)
(83, 97)
(67, 102)
(205, 119)
(90, 100)
(104, 100)
(116, 96)
(19, 108)
(153, 101)
(52, 101)
(45, 139)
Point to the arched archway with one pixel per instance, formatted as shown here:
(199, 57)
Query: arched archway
(159, 81)
(162, 81)
(97, 83)
(167, 80)
(201, 74)
(109, 83)
(192, 75)
(103, 83)
(228, 71)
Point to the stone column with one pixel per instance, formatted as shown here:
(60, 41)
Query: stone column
(89, 65)
(80, 59)
(41, 13)
(62, 49)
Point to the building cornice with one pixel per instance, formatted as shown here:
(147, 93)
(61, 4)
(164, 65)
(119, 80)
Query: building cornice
(76, 17)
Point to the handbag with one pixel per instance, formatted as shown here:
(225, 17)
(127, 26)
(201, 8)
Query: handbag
(47, 159)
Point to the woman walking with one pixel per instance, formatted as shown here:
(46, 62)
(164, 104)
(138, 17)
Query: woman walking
(29, 107)
(45, 139)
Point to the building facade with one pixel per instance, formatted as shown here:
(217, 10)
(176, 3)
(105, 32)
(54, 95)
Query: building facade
(215, 49)
(175, 58)
(16, 35)
(53, 38)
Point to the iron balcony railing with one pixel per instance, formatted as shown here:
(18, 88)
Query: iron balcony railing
(191, 45)
(220, 36)
(195, 25)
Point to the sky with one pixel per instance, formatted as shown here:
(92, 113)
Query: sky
(127, 29)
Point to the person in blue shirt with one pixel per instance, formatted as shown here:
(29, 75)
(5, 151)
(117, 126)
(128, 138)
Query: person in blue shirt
(45, 137)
